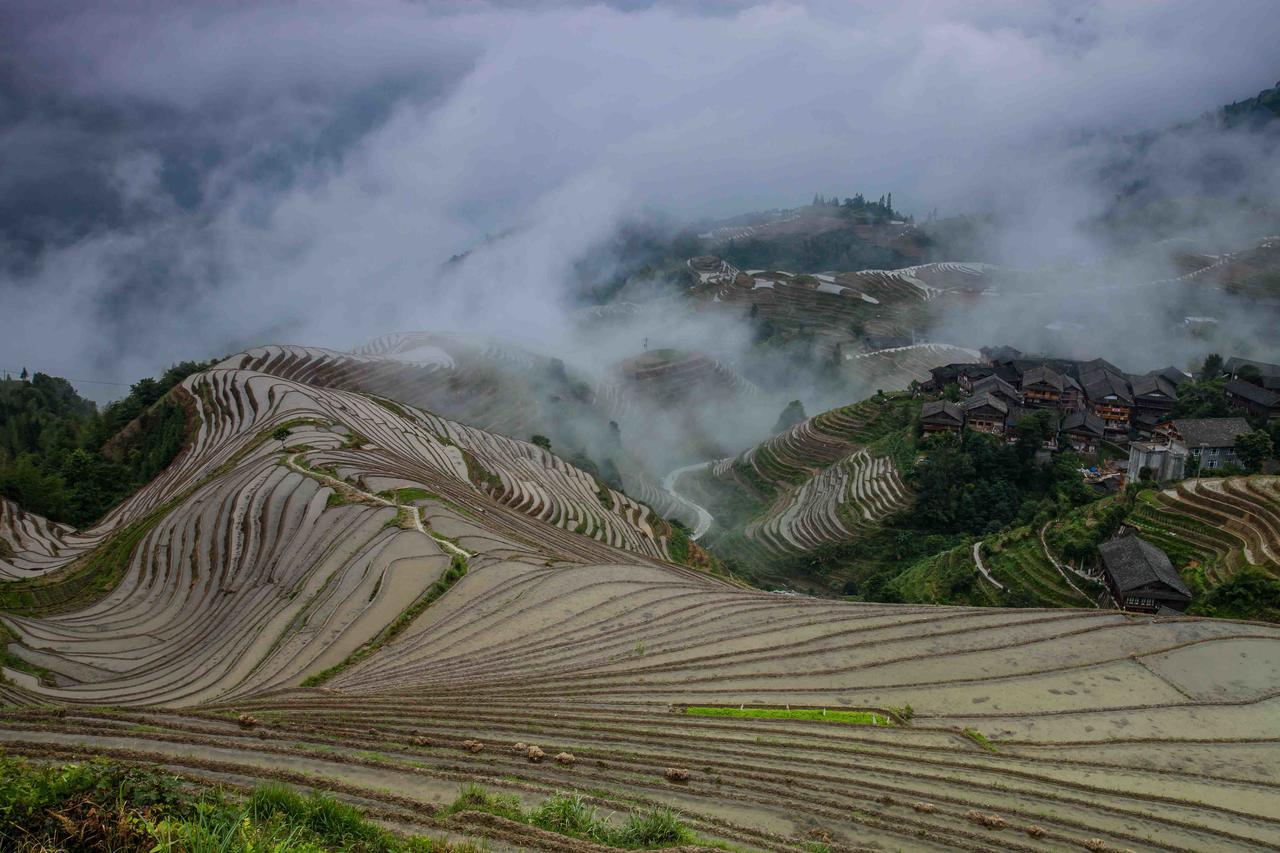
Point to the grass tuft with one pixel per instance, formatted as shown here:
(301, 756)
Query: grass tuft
(980, 739)
(820, 715)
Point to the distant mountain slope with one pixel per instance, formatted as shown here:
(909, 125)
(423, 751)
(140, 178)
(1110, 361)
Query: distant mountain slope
(1262, 108)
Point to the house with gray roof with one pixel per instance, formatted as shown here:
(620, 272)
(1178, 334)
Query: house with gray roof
(1109, 396)
(1141, 577)
(1210, 441)
(1255, 400)
(1084, 430)
(1043, 386)
(1155, 395)
(986, 413)
(941, 416)
(998, 388)
(1267, 373)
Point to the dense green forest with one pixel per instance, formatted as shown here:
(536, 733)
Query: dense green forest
(63, 458)
(837, 249)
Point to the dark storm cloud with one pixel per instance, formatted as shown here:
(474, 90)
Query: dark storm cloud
(184, 179)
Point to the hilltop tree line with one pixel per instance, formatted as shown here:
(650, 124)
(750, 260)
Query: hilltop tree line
(63, 458)
(878, 211)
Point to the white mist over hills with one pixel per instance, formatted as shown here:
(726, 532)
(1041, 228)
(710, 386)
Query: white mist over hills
(184, 180)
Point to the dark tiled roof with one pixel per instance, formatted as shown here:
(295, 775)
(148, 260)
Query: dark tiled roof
(1154, 384)
(1134, 563)
(1100, 384)
(977, 401)
(1264, 368)
(1098, 364)
(1172, 374)
(1047, 375)
(1210, 432)
(941, 408)
(994, 385)
(1253, 393)
(1001, 353)
(947, 373)
(1083, 421)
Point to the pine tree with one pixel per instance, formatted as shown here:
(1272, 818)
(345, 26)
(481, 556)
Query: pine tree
(23, 375)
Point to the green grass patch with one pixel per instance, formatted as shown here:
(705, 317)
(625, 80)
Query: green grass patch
(980, 739)
(101, 805)
(570, 814)
(479, 474)
(821, 715)
(678, 544)
(391, 406)
(408, 495)
(12, 661)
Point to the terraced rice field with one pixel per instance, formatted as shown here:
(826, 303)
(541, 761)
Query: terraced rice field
(898, 367)
(817, 482)
(1216, 524)
(1024, 566)
(426, 578)
(879, 302)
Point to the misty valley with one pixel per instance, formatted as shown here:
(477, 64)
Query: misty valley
(369, 483)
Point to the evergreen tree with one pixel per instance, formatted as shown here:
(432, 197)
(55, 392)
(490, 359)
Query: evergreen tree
(791, 415)
(1212, 367)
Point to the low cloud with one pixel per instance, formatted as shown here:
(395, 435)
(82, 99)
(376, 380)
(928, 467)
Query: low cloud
(183, 180)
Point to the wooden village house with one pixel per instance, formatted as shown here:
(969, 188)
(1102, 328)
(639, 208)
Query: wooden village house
(1042, 386)
(986, 413)
(1253, 399)
(1083, 430)
(1155, 394)
(998, 388)
(1110, 398)
(941, 416)
(1140, 576)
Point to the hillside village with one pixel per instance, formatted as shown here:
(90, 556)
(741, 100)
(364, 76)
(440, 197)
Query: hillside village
(1130, 425)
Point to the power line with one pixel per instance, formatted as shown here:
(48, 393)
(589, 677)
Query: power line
(69, 379)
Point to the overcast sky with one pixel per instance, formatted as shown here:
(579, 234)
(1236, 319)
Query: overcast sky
(183, 180)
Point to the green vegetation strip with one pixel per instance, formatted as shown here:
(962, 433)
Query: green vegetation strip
(570, 814)
(821, 715)
(101, 805)
(457, 568)
(980, 739)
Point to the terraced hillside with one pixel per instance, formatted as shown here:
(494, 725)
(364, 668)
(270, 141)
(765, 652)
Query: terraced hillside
(1213, 527)
(897, 367)
(876, 302)
(351, 593)
(814, 484)
(498, 389)
(292, 531)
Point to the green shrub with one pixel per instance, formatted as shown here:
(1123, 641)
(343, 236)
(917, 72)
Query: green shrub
(568, 814)
(658, 827)
(101, 805)
(475, 798)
